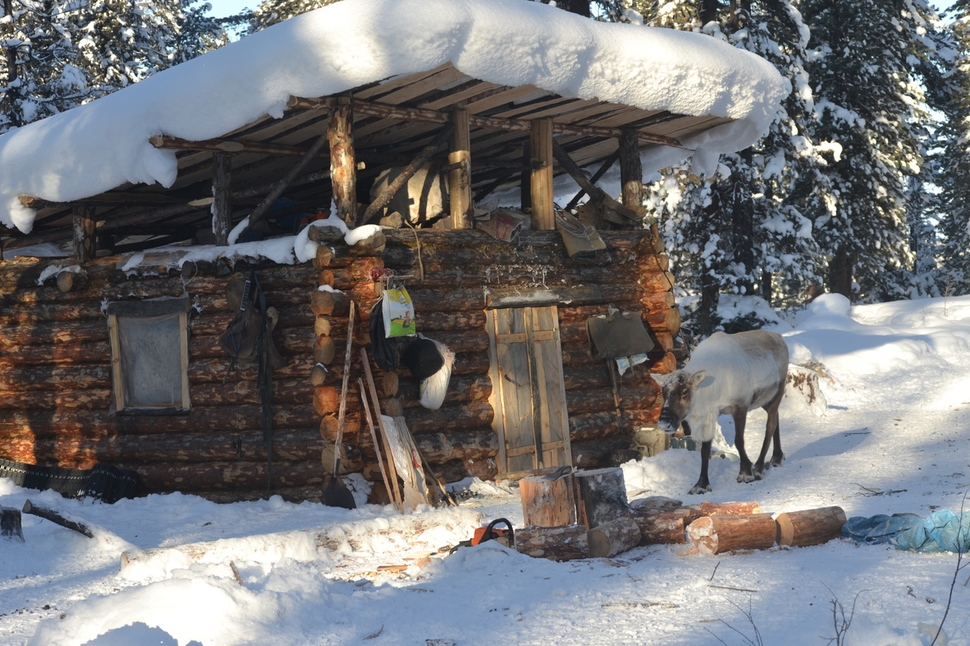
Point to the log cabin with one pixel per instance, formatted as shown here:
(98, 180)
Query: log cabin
(125, 222)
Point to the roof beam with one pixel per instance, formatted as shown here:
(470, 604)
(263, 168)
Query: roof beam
(403, 113)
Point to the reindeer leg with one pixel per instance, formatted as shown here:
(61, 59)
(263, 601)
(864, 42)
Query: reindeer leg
(740, 417)
(703, 483)
(772, 431)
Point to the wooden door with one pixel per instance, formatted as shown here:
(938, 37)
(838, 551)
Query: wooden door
(528, 390)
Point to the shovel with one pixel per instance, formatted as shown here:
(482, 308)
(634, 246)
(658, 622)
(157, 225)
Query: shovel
(336, 494)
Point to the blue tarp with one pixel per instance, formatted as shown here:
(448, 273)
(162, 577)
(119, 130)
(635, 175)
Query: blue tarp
(941, 531)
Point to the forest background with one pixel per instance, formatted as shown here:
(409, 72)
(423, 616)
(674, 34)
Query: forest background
(860, 187)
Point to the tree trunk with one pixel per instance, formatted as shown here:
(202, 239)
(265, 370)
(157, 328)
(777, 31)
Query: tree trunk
(612, 538)
(548, 502)
(840, 274)
(600, 496)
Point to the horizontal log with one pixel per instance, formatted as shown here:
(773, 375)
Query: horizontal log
(613, 537)
(55, 378)
(603, 425)
(725, 533)
(565, 543)
(809, 526)
(64, 424)
(78, 400)
(229, 476)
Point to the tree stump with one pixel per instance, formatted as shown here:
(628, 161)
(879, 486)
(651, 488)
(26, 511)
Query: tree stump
(548, 502)
(810, 527)
(720, 533)
(10, 526)
(612, 538)
(554, 543)
(600, 496)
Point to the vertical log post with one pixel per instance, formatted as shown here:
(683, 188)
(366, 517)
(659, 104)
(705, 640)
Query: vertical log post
(460, 178)
(543, 215)
(343, 166)
(631, 170)
(10, 524)
(85, 229)
(221, 205)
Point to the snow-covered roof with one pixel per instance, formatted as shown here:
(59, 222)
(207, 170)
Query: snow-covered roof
(102, 145)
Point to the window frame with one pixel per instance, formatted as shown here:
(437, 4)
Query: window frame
(175, 307)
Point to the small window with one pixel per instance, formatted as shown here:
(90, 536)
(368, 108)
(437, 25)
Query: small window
(150, 355)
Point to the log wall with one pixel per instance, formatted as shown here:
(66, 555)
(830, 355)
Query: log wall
(55, 361)
(56, 388)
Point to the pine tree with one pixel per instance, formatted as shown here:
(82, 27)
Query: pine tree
(873, 59)
(742, 231)
(270, 12)
(954, 162)
(62, 53)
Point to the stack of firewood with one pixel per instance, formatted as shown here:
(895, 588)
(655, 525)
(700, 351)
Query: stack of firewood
(586, 514)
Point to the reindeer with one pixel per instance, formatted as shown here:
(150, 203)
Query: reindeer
(728, 373)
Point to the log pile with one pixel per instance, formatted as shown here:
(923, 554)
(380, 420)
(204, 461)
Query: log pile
(550, 505)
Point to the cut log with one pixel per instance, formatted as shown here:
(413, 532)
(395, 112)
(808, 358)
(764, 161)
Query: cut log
(810, 526)
(614, 537)
(705, 508)
(548, 501)
(722, 533)
(10, 526)
(56, 518)
(661, 527)
(554, 543)
(600, 496)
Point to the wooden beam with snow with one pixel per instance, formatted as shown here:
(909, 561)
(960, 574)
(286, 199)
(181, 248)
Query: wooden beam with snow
(541, 147)
(400, 113)
(460, 176)
(343, 166)
(225, 146)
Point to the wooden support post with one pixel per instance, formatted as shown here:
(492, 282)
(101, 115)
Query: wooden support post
(85, 231)
(631, 171)
(717, 534)
(221, 190)
(10, 526)
(56, 518)
(543, 213)
(595, 192)
(600, 496)
(547, 501)
(343, 165)
(810, 527)
(554, 543)
(614, 537)
(460, 177)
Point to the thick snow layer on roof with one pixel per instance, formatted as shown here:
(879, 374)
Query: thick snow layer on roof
(102, 145)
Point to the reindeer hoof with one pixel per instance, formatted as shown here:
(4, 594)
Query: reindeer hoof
(777, 460)
(700, 489)
(747, 477)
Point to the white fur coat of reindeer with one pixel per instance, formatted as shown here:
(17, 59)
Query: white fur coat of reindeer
(734, 374)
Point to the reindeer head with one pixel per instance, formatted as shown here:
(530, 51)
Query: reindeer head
(678, 393)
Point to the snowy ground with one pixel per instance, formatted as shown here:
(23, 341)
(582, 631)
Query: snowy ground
(893, 438)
